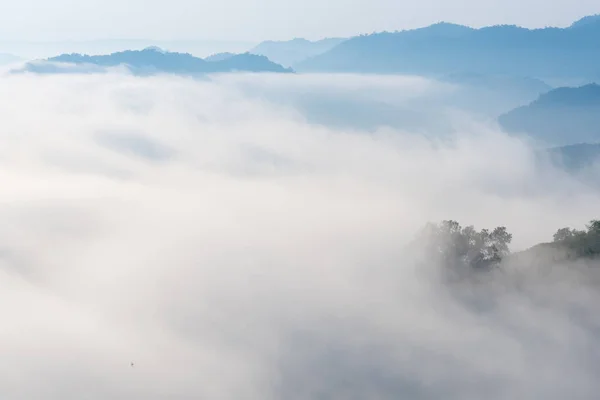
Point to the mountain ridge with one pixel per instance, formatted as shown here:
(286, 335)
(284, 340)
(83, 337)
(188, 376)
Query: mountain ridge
(152, 60)
(290, 52)
(562, 116)
(450, 48)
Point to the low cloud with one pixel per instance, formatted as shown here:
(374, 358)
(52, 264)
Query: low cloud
(233, 248)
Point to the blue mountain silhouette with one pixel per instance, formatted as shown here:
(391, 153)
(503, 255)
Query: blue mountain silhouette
(219, 57)
(154, 60)
(448, 48)
(293, 51)
(562, 116)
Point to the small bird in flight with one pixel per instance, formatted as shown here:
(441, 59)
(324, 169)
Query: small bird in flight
(132, 364)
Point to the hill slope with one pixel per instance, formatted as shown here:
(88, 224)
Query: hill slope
(560, 117)
(447, 48)
(492, 95)
(290, 52)
(153, 60)
(576, 157)
(219, 57)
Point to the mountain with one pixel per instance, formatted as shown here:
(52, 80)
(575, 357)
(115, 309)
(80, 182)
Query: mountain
(219, 57)
(560, 117)
(154, 60)
(576, 157)
(444, 48)
(32, 50)
(586, 21)
(496, 82)
(290, 52)
(247, 62)
(442, 29)
(491, 95)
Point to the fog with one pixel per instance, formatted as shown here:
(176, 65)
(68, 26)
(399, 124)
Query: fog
(231, 246)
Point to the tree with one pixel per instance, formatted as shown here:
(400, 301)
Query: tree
(564, 234)
(580, 243)
(568, 235)
(593, 227)
(457, 246)
(496, 243)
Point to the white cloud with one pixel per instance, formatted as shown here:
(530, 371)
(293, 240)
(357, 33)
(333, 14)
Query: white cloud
(232, 250)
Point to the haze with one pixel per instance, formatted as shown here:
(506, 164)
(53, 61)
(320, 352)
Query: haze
(238, 20)
(229, 248)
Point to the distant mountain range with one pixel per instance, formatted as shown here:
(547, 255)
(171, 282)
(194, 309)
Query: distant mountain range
(491, 95)
(586, 21)
(290, 52)
(576, 157)
(496, 82)
(561, 116)
(445, 48)
(153, 60)
(44, 49)
(219, 57)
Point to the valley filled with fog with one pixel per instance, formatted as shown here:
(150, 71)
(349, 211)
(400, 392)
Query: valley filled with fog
(252, 236)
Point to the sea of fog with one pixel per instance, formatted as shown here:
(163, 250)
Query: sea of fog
(244, 237)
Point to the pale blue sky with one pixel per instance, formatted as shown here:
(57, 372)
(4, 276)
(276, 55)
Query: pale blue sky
(264, 19)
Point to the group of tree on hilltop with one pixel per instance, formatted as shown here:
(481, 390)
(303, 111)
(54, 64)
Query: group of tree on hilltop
(451, 243)
(584, 243)
(455, 245)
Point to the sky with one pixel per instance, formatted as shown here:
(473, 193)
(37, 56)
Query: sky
(62, 20)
